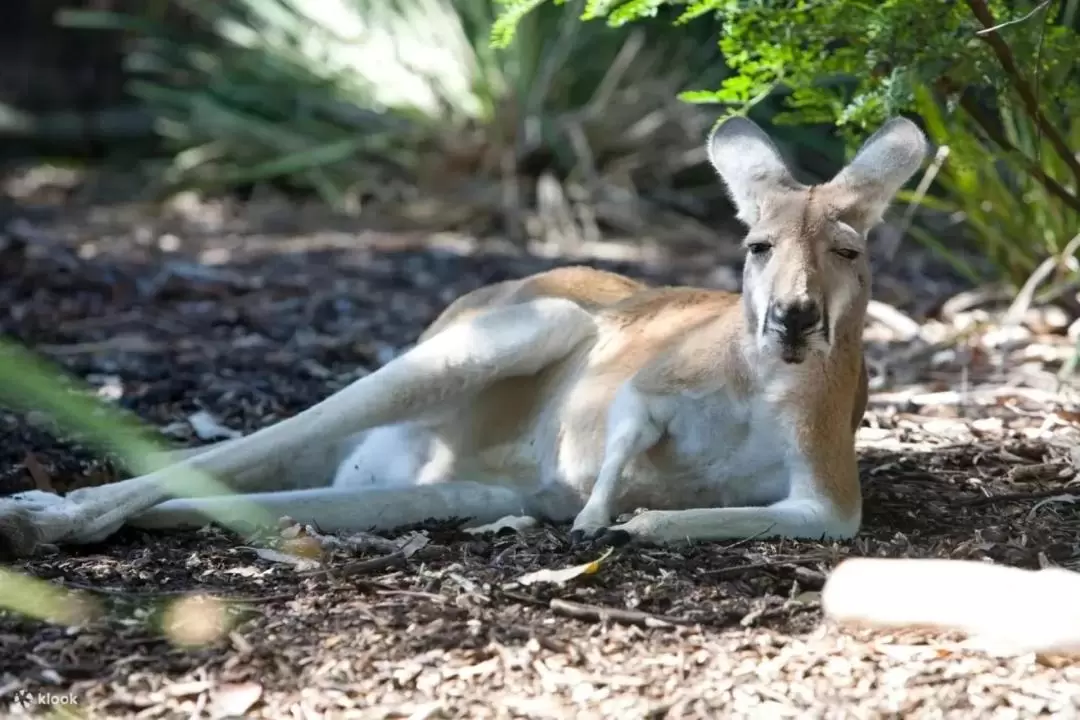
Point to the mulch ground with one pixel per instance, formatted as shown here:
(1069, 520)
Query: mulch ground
(965, 453)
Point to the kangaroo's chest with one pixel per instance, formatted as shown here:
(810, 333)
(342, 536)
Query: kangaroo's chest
(715, 453)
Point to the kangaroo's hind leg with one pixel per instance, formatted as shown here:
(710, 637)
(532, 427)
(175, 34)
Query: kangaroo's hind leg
(440, 372)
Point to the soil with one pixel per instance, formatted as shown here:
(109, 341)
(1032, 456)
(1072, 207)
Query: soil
(252, 326)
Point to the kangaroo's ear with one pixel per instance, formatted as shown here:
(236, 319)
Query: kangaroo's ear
(885, 162)
(750, 166)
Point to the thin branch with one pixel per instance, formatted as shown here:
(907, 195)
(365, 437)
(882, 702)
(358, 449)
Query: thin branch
(597, 613)
(1011, 497)
(942, 153)
(1026, 296)
(1031, 104)
(1017, 21)
(975, 112)
(362, 567)
(1038, 80)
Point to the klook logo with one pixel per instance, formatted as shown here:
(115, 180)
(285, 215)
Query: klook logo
(27, 698)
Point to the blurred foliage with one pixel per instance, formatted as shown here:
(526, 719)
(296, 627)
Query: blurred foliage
(994, 196)
(994, 80)
(28, 383)
(354, 98)
(849, 62)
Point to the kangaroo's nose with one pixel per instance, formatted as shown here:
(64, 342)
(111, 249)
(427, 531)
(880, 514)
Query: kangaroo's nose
(795, 318)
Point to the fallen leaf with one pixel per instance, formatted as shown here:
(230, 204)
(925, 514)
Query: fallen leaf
(300, 563)
(207, 428)
(240, 643)
(564, 575)
(236, 698)
(304, 546)
(407, 545)
(186, 689)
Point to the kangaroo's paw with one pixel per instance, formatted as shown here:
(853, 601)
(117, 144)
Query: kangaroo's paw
(32, 519)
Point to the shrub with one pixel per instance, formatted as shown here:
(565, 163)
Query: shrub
(990, 77)
(354, 99)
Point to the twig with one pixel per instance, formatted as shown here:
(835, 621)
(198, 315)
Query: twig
(151, 594)
(1037, 80)
(1012, 497)
(415, 594)
(1008, 63)
(894, 319)
(604, 614)
(772, 563)
(720, 572)
(361, 567)
(750, 539)
(1024, 298)
(940, 156)
(953, 397)
(1017, 21)
(523, 598)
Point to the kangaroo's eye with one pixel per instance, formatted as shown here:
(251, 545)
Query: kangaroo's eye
(759, 248)
(846, 253)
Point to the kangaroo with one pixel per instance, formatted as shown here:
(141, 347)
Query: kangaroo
(577, 394)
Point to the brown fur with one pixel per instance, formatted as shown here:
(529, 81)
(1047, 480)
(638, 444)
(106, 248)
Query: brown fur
(671, 339)
(590, 288)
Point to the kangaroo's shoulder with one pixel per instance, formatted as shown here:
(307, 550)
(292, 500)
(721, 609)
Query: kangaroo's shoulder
(671, 304)
(590, 288)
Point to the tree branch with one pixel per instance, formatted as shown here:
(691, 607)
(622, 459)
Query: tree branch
(1004, 55)
(1017, 21)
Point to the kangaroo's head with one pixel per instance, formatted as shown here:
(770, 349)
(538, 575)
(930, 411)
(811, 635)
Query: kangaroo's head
(806, 282)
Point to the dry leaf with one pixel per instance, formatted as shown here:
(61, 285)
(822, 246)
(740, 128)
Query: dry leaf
(207, 428)
(407, 545)
(235, 699)
(564, 575)
(300, 563)
(304, 546)
(186, 689)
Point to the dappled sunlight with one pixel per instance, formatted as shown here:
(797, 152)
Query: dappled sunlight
(196, 324)
(196, 620)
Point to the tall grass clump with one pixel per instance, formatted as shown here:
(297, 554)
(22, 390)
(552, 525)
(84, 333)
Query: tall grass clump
(358, 99)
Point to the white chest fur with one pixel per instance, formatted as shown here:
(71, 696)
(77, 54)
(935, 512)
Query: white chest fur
(715, 452)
